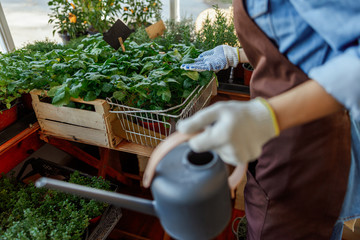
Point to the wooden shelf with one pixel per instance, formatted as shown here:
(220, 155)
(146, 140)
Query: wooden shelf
(134, 148)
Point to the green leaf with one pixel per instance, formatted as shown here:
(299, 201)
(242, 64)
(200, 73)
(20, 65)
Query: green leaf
(107, 87)
(62, 96)
(205, 77)
(60, 66)
(147, 67)
(12, 86)
(191, 74)
(165, 94)
(53, 90)
(172, 80)
(90, 96)
(119, 95)
(75, 90)
(188, 83)
(186, 93)
(160, 84)
(94, 76)
(76, 63)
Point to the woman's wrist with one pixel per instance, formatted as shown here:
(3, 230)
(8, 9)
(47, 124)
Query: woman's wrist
(303, 104)
(242, 56)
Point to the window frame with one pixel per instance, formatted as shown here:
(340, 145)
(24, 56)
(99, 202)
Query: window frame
(6, 40)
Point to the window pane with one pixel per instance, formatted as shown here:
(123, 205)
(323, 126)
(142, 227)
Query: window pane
(28, 20)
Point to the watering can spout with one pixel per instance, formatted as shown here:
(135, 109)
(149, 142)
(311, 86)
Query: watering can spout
(116, 199)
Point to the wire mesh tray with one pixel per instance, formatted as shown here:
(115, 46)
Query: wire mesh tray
(150, 127)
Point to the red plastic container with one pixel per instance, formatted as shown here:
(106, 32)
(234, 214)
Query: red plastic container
(155, 126)
(8, 116)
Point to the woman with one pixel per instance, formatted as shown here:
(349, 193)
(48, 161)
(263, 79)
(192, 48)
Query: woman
(295, 134)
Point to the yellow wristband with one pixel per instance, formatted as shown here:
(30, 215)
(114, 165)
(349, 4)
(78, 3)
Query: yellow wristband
(272, 114)
(238, 51)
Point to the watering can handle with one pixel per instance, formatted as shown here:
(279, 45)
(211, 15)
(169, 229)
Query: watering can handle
(171, 142)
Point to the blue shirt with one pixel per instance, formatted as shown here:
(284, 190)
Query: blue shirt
(322, 37)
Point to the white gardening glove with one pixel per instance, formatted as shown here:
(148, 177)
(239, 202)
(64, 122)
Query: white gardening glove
(235, 130)
(219, 58)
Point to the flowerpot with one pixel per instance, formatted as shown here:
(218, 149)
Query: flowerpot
(8, 116)
(92, 31)
(155, 127)
(248, 70)
(65, 37)
(223, 75)
(238, 73)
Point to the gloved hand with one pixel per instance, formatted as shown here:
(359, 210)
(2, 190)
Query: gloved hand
(235, 130)
(219, 58)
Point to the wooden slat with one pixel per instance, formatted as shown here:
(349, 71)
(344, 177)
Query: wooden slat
(112, 122)
(134, 148)
(79, 100)
(77, 124)
(74, 116)
(73, 150)
(75, 133)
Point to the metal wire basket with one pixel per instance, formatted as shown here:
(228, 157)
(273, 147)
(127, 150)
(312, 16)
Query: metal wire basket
(150, 127)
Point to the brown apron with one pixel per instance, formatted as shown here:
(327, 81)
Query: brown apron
(296, 187)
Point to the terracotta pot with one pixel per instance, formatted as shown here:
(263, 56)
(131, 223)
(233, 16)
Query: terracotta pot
(248, 70)
(8, 116)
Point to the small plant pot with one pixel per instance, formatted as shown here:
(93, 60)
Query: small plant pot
(8, 116)
(248, 70)
(238, 72)
(223, 75)
(92, 31)
(154, 126)
(65, 37)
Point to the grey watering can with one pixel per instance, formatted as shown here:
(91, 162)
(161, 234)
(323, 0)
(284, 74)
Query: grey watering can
(190, 190)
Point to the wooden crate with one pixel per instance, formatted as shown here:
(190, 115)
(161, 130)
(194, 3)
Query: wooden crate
(85, 126)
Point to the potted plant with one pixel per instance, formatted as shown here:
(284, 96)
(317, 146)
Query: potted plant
(7, 116)
(137, 13)
(99, 15)
(215, 31)
(69, 21)
(8, 96)
(181, 32)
